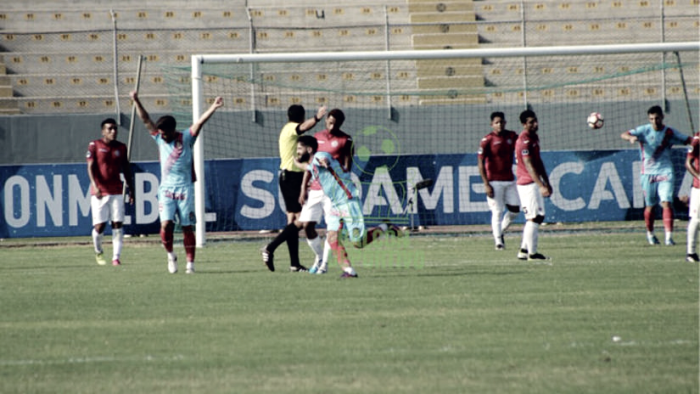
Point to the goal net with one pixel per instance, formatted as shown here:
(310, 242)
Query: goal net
(417, 115)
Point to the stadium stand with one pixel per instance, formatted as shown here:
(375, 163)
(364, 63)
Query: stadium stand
(59, 57)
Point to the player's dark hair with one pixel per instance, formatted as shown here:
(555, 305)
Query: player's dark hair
(338, 115)
(296, 113)
(309, 141)
(108, 121)
(498, 114)
(656, 110)
(528, 113)
(166, 123)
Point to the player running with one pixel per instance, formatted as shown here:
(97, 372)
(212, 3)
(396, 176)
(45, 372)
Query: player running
(106, 159)
(655, 143)
(176, 191)
(314, 201)
(345, 211)
(495, 160)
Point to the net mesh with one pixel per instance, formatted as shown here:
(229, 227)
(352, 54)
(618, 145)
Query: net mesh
(436, 110)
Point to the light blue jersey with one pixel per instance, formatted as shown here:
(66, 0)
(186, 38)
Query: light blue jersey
(655, 148)
(176, 168)
(338, 186)
(176, 191)
(336, 183)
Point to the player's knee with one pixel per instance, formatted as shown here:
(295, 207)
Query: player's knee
(539, 219)
(187, 229)
(513, 208)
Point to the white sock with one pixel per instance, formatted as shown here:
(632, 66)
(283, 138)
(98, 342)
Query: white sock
(326, 254)
(315, 245)
(669, 235)
(508, 220)
(97, 240)
(350, 270)
(117, 242)
(172, 256)
(496, 225)
(530, 236)
(692, 234)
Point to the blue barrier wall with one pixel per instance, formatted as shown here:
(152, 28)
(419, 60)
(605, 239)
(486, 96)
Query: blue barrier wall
(53, 200)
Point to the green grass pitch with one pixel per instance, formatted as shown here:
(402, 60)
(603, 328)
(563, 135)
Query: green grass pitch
(428, 314)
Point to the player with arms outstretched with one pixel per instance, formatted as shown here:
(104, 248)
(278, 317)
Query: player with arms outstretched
(655, 142)
(106, 159)
(176, 191)
(495, 161)
(692, 164)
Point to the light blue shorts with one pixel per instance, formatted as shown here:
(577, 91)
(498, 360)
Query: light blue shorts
(353, 221)
(177, 202)
(657, 187)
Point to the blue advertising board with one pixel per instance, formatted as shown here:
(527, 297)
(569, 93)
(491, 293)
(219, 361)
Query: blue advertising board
(54, 200)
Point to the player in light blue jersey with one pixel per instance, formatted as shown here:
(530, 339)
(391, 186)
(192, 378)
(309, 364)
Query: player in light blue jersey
(655, 142)
(176, 191)
(345, 213)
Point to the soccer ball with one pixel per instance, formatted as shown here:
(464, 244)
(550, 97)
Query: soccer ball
(595, 120)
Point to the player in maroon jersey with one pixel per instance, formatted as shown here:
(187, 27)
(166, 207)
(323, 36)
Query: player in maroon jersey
(533, 184)
(106, 159)
(495, 160)
(692, 164)
(315, 203)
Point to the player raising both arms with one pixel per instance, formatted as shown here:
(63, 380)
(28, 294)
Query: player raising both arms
(533, 184)
(495, 160)
(106, 159)
(176, 191)
(655, 142)
(692, 164)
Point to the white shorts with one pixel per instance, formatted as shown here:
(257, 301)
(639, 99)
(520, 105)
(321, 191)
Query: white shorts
(694, 203)
(531, 200)
(315, 206)
(504, 193)
(108, 208)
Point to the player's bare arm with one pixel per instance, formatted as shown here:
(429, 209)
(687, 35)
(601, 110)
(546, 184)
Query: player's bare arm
(142, 113)
(197, 126)
(538, 176)
(304, 187)
(482, 172)
(129, 178)
(629, 137)
(691, 168)
(311, 122)
(92, 167)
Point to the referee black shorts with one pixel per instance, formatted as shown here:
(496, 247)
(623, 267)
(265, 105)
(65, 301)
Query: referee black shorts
(290, 184)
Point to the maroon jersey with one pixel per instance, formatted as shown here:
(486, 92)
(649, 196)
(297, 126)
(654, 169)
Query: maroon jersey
(339, 146)
(497, 152)
(110, 159)
(694, 153)
(527, 145)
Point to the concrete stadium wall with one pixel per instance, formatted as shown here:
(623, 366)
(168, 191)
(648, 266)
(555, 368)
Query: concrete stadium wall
(64, 138)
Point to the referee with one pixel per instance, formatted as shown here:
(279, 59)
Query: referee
(290, 176)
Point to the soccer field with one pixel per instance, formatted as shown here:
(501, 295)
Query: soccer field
(443, 314)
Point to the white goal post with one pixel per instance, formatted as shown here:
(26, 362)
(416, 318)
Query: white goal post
(199, 103)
